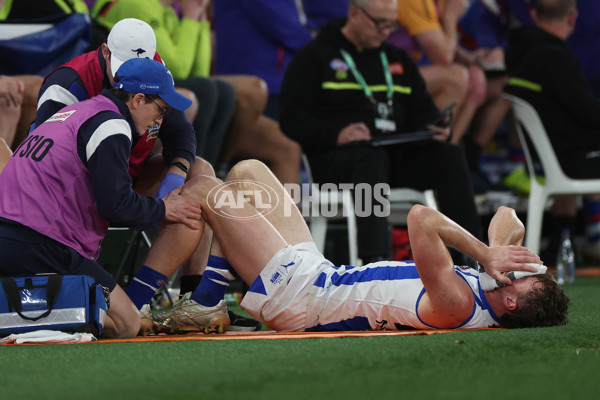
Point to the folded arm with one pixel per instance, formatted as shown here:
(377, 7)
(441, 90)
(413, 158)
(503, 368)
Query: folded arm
(449, 300)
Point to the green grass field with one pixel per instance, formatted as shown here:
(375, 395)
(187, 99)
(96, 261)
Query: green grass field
(548, 363)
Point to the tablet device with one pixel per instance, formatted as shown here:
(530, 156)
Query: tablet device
(397, 138)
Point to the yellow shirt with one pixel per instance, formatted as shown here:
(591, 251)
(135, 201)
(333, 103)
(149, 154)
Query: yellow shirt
(416, 17)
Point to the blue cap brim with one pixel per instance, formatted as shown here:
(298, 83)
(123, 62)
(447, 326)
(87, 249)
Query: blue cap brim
(176, 101)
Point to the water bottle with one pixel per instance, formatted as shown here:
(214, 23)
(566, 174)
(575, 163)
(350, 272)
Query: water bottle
(565, 259)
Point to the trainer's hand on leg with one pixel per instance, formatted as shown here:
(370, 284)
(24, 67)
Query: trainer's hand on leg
(180, 209)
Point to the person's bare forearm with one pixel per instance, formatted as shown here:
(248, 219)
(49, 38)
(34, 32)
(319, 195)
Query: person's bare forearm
(452, 234)
(428, 227)
(505, 228)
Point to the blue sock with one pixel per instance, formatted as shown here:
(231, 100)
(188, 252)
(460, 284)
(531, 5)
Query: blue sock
(144, 285)
(214, 283)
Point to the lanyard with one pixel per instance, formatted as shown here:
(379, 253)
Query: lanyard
(361, 80)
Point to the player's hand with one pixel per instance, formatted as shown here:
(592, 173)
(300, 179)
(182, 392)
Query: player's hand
(490, 57)
(508, 258)
(354, 132)
(180, 209)
(194, 9)
(442, 134)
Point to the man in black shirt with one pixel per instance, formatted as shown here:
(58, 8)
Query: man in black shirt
(544, 72)
(347, 86)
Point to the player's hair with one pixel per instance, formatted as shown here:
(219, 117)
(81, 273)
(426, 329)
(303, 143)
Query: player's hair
(554, 9)
(545, 305)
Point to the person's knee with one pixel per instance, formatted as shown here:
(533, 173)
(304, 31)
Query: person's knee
(477, 87)
(287, 152)
(192, 110)
(197, 187)
(293, 152)
(201, 167)
(246, 170)
(443, 80)
(251, 93)
(32, 83)
(458, 78)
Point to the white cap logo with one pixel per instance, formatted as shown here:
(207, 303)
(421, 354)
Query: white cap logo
(139, 52)
(130, 38)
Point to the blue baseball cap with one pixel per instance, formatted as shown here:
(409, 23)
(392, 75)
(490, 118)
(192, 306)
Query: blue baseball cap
(147, 76)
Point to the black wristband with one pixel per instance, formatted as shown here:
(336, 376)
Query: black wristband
(179, 165)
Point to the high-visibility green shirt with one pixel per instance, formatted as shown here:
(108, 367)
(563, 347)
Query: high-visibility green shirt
(184, 44)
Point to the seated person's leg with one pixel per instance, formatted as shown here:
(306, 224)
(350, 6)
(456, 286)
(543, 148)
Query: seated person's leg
(11, 100)
(250, 102)
(491, 113)
(446, 85)
(265, 141)
(191, 111)
(224, 115)
(370, 165)
(29, 106)
(466, 110)
(440, 166)
(211, 119)
(456, 84)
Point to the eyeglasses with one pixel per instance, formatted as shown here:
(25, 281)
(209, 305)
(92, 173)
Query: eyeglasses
(163, 111)
(380, 23)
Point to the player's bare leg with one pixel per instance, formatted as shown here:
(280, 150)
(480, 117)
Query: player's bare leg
(244, 238)
(249, 239)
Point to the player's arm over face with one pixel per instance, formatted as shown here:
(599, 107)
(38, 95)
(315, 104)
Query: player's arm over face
(448, 300)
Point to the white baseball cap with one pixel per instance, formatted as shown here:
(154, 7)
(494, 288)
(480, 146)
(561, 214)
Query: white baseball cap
(130, 38)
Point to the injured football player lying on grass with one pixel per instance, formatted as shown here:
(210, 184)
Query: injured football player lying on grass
(292, 287)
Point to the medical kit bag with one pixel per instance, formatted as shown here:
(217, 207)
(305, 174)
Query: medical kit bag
(68, 303)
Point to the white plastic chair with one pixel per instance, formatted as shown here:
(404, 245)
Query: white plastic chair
(557, 183)
(318, 222)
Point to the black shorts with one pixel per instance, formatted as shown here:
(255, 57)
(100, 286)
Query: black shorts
(584, 164)
(24, 251)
